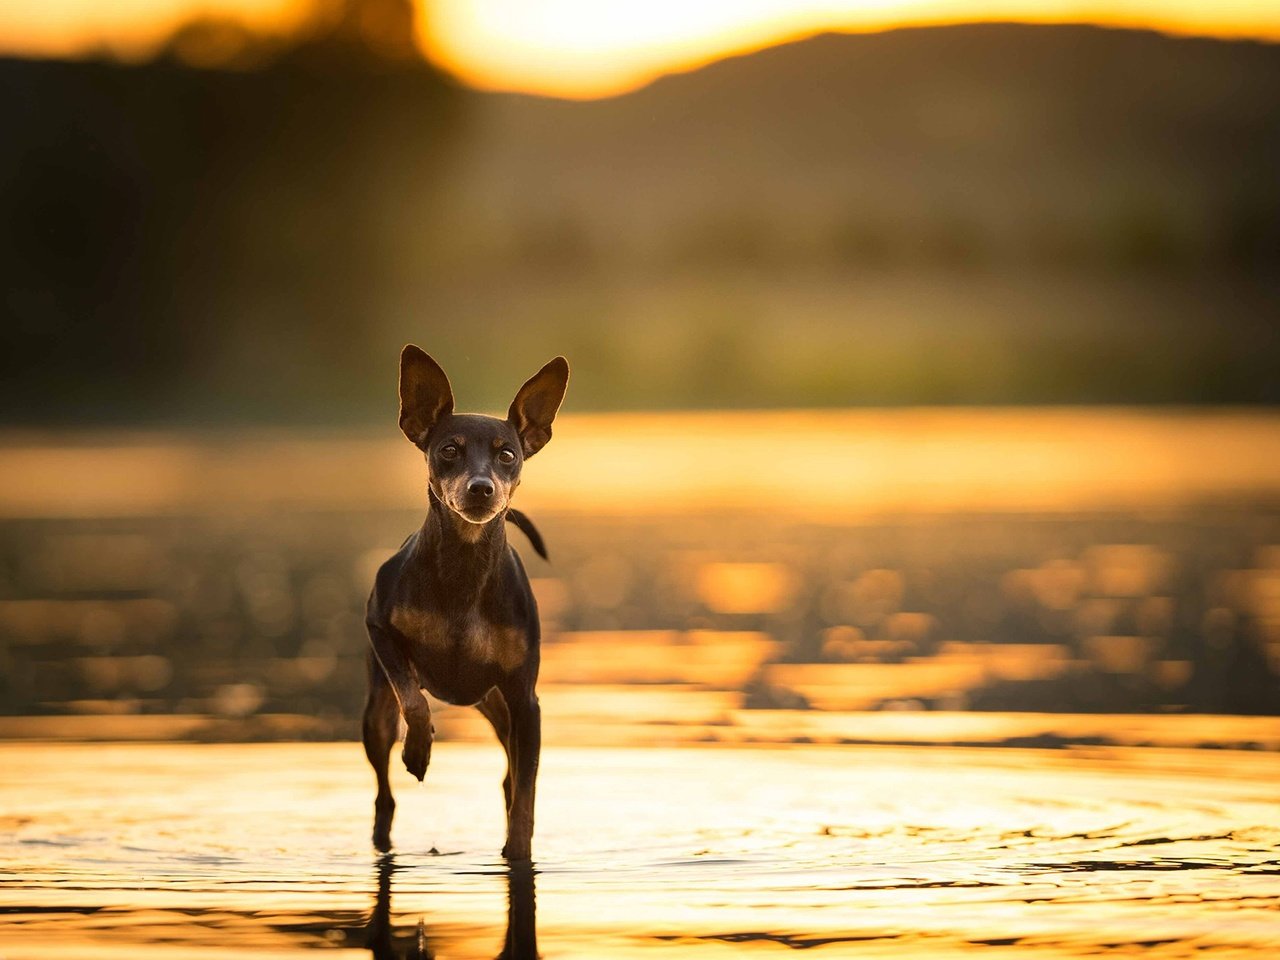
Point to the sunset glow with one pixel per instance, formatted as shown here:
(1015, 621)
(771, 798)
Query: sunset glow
(574, 48)
(583, 49)
(129, 28)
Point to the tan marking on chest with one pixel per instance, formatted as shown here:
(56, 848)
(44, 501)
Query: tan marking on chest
(422, 628)
(479, 640)
(489, 643)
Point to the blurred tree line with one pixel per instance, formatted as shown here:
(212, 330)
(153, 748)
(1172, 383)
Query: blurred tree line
(208, 232)
(246, 228)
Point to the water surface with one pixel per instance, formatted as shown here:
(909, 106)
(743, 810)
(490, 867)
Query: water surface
(172, 850)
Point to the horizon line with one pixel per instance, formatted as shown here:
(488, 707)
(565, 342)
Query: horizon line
(582, 84)
(630, 81)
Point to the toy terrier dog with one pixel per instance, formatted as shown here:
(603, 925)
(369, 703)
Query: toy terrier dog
(452, 612)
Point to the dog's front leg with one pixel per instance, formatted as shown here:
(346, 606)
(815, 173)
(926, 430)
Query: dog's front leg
(526, 746)
(413, 705)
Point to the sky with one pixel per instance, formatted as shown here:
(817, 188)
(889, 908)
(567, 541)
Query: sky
(591, 48)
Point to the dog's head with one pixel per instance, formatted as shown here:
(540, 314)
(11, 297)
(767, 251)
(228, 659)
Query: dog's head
(474, 461)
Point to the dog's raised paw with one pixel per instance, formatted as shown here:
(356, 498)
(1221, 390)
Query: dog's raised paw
(417, 749)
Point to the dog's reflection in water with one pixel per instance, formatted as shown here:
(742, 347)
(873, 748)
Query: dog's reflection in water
(521, 941)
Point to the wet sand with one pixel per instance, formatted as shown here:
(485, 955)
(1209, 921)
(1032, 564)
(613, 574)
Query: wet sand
(172, 850)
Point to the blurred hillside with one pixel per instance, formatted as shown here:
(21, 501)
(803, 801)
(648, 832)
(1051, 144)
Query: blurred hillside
(247, 229)
(956, 144)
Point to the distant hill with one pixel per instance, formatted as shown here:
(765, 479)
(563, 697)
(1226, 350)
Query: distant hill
(1056, 134)
(964, 214)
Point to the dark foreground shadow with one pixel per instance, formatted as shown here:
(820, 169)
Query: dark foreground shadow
(387, 943)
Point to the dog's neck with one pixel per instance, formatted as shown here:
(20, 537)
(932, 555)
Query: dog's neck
(459, 553)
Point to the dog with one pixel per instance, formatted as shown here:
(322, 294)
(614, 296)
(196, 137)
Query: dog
(452, 612)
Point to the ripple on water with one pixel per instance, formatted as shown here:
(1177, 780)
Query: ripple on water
(843, 850)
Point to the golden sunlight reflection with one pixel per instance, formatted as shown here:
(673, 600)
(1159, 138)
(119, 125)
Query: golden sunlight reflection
(745, 587)
(260, 850)
(742, 577)
(865, 462)
(959, 692)
(717, 659)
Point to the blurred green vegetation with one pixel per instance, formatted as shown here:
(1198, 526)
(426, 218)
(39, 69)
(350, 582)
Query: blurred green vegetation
(247, 228)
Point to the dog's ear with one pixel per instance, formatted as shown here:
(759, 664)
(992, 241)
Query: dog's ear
(536, 404)
(425, 394)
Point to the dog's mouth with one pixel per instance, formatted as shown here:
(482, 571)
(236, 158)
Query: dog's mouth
(481, 512)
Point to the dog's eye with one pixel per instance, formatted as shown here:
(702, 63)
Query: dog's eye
(449, 452)
(506, 456)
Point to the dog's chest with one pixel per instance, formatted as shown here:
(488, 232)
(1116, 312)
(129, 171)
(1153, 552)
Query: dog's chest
(467, 639)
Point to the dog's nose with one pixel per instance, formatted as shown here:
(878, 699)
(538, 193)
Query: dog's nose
(480, 487)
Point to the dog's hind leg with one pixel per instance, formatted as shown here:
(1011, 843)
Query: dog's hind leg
(494, 709)
(381, 717)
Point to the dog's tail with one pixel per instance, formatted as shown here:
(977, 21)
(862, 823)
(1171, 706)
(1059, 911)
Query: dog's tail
(526, 526)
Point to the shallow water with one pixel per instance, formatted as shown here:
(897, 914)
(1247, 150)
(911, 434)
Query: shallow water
(171, 850)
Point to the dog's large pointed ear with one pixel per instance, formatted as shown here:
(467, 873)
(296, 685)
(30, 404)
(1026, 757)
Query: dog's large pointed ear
(536, 404)
(425, 394)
